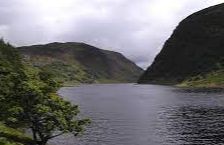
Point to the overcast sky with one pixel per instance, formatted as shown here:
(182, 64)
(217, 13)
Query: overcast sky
(136, 28)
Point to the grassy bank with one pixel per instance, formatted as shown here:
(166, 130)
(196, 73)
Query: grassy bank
(10, 136)
(214, 79)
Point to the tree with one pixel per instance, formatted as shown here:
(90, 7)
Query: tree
(52, 118)
(29, 99)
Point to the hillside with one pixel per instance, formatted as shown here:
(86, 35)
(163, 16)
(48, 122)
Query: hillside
(195, 51)
(81, 63)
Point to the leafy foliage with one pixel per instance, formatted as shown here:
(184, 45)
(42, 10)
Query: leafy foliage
(29, 100)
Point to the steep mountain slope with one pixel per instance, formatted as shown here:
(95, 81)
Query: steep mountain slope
(81, 63)
(195, 48)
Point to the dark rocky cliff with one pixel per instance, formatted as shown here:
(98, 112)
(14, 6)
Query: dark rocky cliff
(195, 47)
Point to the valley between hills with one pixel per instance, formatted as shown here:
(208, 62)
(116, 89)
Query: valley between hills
(30, 77)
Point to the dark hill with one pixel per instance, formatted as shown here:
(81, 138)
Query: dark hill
(196, 47)
(81, 63)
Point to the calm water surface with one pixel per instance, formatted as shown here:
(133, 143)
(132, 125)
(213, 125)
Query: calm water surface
(128, 114)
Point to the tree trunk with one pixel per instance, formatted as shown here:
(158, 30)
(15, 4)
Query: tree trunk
(44, 142)
(34, 135)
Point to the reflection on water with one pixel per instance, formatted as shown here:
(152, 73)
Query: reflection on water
(193, 125)
(127, 114)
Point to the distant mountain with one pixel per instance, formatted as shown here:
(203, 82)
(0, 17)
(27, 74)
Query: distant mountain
(195, 51)
(81, 63)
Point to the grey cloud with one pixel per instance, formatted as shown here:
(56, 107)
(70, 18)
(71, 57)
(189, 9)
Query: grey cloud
(138, 29)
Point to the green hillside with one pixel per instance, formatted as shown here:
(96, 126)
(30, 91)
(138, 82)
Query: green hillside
(81, 63)
(213, 79)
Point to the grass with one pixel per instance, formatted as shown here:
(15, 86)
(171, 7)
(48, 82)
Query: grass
(67, 73)
(214, 79)
(10, 136)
